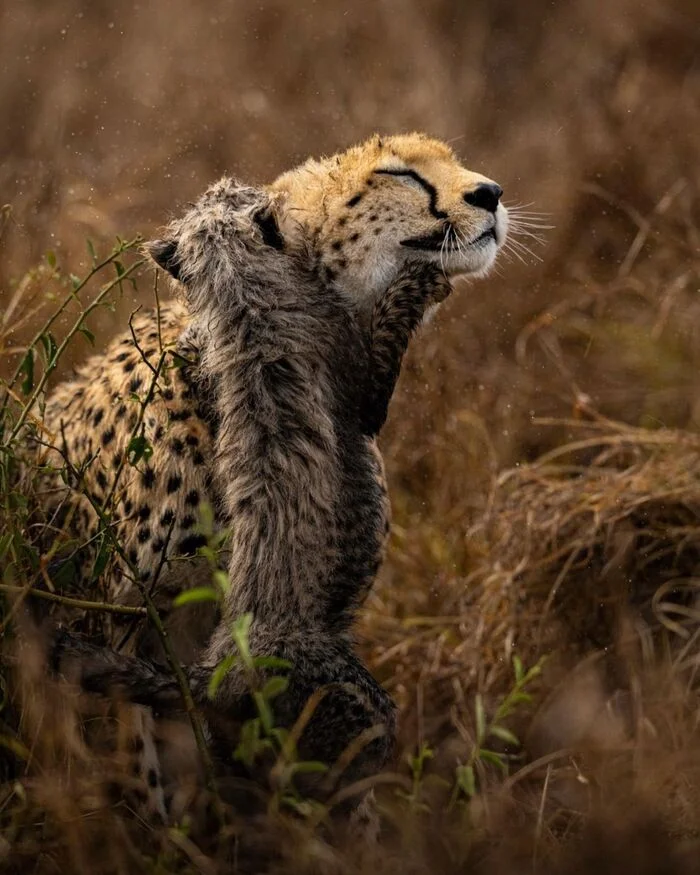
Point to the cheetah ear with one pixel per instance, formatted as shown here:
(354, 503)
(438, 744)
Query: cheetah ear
(266, 220)
(164, 253)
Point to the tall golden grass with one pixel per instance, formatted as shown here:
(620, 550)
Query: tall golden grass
(542, 445)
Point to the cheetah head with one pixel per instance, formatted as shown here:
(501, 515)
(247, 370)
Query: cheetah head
(389, 201)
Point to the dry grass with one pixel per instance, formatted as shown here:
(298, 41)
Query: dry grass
(543, 445)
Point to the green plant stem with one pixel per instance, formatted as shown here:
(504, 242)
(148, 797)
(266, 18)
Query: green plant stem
(95, 270)
(61, 349)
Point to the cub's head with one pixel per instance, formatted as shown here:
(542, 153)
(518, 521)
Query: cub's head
(230, 223)
(391, 200)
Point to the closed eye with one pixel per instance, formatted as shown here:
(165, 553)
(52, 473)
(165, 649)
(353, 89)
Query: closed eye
(417, 180)
(409, 177)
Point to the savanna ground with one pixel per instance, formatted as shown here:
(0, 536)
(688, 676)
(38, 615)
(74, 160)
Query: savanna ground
(543, 446)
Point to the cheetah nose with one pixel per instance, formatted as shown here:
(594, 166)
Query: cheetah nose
(486, 196)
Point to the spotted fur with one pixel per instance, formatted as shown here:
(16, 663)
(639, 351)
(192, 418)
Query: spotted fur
(267, 384)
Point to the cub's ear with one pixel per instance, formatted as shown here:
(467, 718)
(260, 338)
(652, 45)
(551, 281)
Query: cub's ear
(266, 220)
(164, 253)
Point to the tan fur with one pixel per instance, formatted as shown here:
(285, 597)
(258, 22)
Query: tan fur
(314, 200)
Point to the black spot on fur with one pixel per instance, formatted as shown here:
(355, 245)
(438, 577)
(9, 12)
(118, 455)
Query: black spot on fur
(143, 512)
(188, 546)
(180, 415)
(143, 535)
(198, 458)
(102, 479)
(174, 483)
(158, 545)
(129, 367)
(135, 384)
(188, 522)
(98, 417)
(336, 245)
(177, 446)
(354, 201)
(168, 518)
(121, 410)
(148, 477)
(354, 236)
(152, 778)
(107, 437)
(192, 440)
(192, 498)
(168, 394)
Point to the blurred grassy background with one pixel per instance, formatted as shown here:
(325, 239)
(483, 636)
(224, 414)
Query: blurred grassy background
(116, 114)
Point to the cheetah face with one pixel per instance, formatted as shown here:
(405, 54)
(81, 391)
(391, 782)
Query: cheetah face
(390, 201)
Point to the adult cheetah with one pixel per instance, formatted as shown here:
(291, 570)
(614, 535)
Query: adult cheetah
(266, 385)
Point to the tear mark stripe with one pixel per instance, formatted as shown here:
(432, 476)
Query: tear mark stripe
(425, 185)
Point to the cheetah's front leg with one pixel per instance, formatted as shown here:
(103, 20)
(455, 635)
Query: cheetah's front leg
(396, 315)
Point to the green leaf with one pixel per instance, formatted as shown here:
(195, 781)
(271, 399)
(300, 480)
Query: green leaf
(179, 361)
(534, 672)
(51, 258)
(496, 759)
(271, 662)
(480, 718)
(119, 267)
(249, 742)
(49, 343)
(274, 687)
(102, 558)
(518, 669)
(221, 580)
(265, 713)
(466, 780)
(196, 594)
(219, 673)
(27, 368)
(75, 282)
(138, 448)
(91, 250)
(239, 630)
(88, 334)
(505, 735)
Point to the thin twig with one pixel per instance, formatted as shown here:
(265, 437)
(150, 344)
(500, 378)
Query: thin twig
(84, 605)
